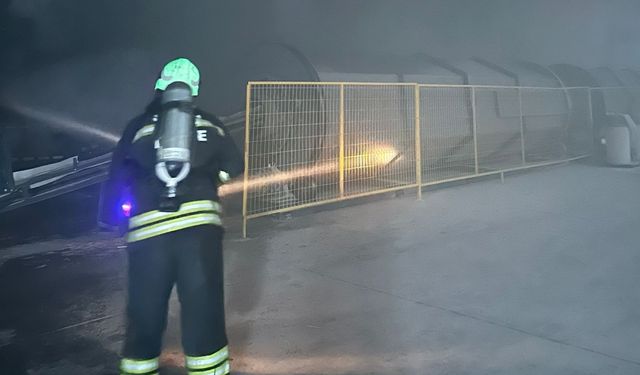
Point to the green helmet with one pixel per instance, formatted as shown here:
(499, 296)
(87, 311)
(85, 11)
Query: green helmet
(180, 70)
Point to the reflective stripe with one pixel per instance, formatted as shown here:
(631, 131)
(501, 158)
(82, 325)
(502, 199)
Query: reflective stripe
(186, 208)
(202, 123)
(173, 225)
(223, 369)
(134, 366)
(206, 361)
(144, 131)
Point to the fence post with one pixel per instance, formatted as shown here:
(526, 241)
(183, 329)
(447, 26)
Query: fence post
(341, 141)
(475, 129)
(418, 145)
(592, 129)
(522, 142)
(245, 190)
(591, 124)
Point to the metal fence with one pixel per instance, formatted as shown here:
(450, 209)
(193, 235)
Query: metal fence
(313, 143)
(471, 131)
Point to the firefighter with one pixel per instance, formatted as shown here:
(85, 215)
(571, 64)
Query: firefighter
(172, 159)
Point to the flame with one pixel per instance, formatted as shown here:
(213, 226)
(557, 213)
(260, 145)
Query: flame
(237, 186)
(373, 156)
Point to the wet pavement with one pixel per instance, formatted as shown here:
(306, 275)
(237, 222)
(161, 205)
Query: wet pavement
(534, 276)
(62, 285)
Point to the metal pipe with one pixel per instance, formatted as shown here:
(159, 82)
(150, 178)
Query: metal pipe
(298, 83)
(522, 142)
(245, 191)
(475, 129)
(418, 146)
(341, 135)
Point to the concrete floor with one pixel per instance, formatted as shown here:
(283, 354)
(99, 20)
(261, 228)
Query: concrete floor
(535, 276)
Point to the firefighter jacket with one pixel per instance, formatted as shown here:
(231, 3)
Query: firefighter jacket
(214, 159)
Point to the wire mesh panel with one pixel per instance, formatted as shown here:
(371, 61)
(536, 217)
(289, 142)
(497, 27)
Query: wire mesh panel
(546, 116)
(447, 135)
(499, 130)
(313, 143)
(580, 135)
(379, 137)
(293, 146)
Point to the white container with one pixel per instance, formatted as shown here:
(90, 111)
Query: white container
(618, 146)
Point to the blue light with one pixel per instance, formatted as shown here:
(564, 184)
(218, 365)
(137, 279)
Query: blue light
(126, 208)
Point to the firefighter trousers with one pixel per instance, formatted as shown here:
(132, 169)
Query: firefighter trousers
(192, 260)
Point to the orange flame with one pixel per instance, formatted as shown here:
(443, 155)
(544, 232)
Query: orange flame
(374, 156)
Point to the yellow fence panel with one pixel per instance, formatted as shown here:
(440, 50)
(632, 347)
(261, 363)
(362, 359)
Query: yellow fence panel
(310, 143)
(293, 146)
(379, 138)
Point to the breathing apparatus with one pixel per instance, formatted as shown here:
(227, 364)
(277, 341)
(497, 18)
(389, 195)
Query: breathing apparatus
(179, 83)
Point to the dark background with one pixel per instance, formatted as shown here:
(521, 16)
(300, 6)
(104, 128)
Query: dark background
(94, 62)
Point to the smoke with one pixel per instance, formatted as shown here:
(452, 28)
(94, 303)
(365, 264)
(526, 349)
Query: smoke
(582, 32)
(587, 32)
(68, 27)
(62, 45)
